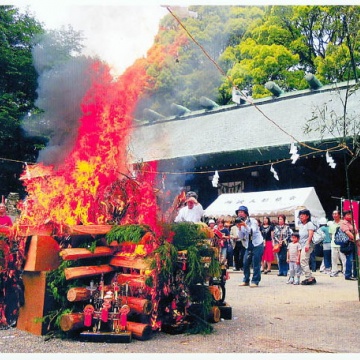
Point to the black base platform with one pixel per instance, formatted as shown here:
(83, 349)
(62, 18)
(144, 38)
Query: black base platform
(225, 311)
(109, 337)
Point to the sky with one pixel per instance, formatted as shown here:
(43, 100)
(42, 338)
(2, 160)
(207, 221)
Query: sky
(117, 32)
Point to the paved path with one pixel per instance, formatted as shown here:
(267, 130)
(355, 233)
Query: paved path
(273, 318)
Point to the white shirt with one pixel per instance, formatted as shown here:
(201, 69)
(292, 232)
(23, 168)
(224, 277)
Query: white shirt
(190, 215)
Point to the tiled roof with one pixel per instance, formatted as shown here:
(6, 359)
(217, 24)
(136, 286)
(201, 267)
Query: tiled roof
(267, 123)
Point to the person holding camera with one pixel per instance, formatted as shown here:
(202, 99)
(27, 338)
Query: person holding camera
(250, 235)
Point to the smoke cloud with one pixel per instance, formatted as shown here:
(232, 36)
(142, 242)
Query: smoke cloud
(62, 84)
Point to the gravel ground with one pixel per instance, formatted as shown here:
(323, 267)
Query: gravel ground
(273, 318)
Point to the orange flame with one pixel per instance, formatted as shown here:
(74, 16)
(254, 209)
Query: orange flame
(76, 192)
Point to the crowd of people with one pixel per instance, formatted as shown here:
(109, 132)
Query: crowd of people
(253, 245)
(261, 244)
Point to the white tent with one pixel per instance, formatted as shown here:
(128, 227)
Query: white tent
(268, 203)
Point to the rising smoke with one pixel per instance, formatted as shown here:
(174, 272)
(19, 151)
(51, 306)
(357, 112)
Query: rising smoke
(62, 83)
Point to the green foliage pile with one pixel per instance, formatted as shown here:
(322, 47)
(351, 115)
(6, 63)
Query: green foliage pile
(188, 237)
(167, 255)
(127, 233)
(186, 234)
(57, 288)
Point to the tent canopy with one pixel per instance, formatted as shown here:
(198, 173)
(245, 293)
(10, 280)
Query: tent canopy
(268, 203)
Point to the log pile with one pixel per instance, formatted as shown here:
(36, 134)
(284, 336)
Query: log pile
(116, 294)
(107, 290)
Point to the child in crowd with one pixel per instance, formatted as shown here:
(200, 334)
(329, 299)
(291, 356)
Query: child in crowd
(293, 259)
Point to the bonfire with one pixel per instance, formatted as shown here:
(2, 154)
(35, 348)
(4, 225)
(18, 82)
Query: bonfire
(117, 266)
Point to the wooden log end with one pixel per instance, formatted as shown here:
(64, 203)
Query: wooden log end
(139, 331)
(215, 314)
(71, 321)
(148, 307)
(78, 294)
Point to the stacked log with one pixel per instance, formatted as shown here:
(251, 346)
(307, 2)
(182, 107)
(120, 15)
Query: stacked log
(86, 271)
(139, 331)
(89, 229)
(126, 262)
(78, 294)
(75, 321)
(141, 307)
(82, 253)
(133, 280)
(213, 316)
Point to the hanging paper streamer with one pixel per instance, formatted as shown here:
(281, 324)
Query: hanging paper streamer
(236, 96)
(274, 172)
(330, 160)
(215, 180)
(294, 154)
(27, 171)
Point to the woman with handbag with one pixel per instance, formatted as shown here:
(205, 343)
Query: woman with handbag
(282, 236)
(348, 226)
(267, 229)
(306, 232)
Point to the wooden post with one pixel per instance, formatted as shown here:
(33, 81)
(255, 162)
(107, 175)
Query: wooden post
(36, 304)
(43, 254)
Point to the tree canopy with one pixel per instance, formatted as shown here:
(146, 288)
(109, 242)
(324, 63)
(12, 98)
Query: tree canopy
(247, 46)
(18, 82)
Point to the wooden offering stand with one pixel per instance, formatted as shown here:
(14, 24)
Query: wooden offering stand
(111, 297)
